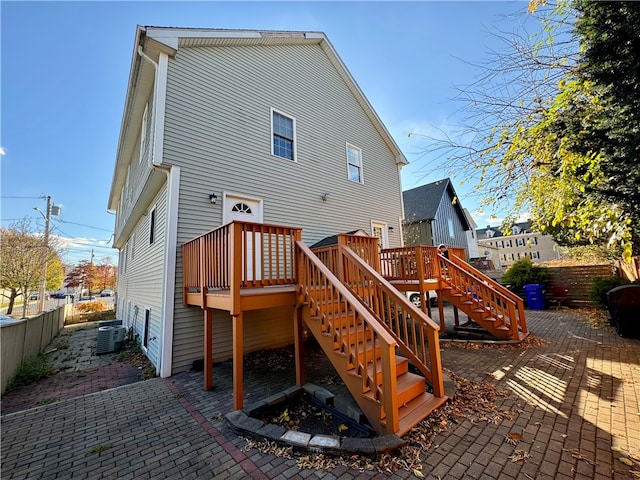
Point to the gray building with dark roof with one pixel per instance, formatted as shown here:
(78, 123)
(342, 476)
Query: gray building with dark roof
(434, 215)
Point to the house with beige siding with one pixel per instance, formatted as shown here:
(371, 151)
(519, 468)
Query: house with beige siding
(237, 125)
(238, 150)
(521, 242)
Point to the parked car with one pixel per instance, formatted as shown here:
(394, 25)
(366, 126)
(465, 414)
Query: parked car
(414, 297)
(34, 296)
(58, 295)
(106, 293)
(87, 299)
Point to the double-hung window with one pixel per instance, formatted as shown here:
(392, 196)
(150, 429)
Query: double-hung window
(354, 164)
(283, 133)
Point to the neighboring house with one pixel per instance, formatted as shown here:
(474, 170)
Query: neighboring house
(223, 125)
(434, 215)
(522, 242)
(472, 238)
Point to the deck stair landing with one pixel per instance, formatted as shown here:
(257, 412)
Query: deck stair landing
(489, 304)
(486, 302)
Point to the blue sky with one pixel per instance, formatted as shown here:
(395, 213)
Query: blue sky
(65, 67)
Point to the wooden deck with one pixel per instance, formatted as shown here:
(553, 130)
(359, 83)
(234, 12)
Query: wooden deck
(250, 298)
(350, 296)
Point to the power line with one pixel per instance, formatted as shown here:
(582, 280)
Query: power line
(88, 226)
(20, 197)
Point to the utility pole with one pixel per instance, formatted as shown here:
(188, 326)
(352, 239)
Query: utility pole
(43, 284)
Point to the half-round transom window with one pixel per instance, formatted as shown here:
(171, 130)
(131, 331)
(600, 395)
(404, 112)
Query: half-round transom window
(242, 208)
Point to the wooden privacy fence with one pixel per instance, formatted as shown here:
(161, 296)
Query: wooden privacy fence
(27, 338)
(578, 279)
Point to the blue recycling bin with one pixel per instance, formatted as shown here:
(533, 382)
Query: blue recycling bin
(535, 296)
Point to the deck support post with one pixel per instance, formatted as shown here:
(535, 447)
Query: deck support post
(298, 327)
(208, 348)
(238, 348)
(456, 317)
(443, 325)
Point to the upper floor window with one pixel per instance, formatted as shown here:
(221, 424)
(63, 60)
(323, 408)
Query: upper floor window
(354, 164)
(490, 233)
(516, 230)
(520, 242)
(283, 133)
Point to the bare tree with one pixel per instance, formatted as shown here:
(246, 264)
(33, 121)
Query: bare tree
(23, 256)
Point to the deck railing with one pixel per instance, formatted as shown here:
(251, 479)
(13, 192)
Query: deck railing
(415, 332)
(240, 255)
(366, 247)
(354, 329)
(409, 263)
(496, 297)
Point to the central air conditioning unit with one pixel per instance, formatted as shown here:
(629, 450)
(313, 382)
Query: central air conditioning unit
(110, 339)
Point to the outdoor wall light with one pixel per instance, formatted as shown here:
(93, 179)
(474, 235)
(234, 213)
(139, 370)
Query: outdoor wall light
(390, 229)
(324, 196)
(212, 198)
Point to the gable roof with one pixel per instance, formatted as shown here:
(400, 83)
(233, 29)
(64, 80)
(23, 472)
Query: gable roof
(421, 203)
(151, 41)
(525, 227)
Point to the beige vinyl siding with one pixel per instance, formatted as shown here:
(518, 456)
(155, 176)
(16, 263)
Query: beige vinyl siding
(142, 282)
(218, 130)
(138, 170)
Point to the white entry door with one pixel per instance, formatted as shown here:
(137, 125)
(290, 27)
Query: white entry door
(246, 209)
(380, 230)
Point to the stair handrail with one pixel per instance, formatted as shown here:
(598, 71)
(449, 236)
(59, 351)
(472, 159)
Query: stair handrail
(480, 294)
(318, 286)
(498, 287)
(413, 330)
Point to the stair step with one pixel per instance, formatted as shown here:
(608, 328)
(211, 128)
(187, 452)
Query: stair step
(402, 367)
(363, 352)
(417, 410)
(409, 386)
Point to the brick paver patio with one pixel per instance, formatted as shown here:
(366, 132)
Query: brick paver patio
(575, 400)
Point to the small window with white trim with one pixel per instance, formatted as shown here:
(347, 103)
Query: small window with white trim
(283, 135)
(145, 336)
(152, 226)
(354, 164)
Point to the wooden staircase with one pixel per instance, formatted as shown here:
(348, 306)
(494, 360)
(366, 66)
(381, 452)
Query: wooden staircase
(361, 321)
(486, 302)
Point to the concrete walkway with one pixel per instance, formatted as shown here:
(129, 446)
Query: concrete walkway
(574, 401)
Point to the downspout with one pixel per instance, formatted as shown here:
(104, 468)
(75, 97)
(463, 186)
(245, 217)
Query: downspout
(163, 369)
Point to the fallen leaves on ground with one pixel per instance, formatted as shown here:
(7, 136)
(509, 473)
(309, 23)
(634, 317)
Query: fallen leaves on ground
(575, 453)
(519, 456)
(131, 354)
(513, 438)
(530, 341)
(630, 461)
(595, 317)
(473, 401)
(277, 359)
